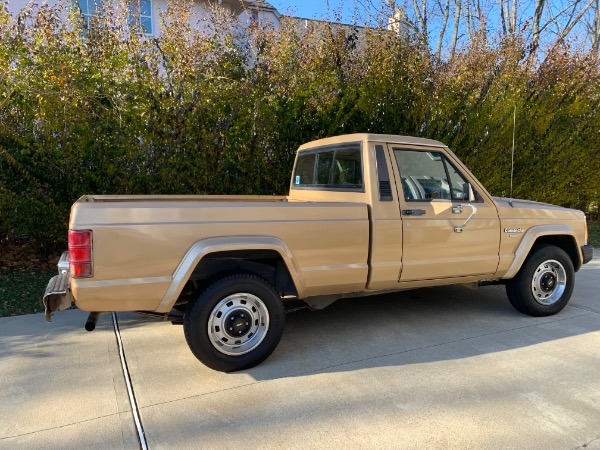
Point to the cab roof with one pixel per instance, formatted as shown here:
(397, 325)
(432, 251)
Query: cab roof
(370, 137)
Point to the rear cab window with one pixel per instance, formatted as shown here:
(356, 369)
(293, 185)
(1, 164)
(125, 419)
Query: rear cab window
(333, 167)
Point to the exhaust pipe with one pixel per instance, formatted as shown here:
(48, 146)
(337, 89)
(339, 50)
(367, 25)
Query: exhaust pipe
(90, 324)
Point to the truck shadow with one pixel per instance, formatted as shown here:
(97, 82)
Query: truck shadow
(412, 327)
(403, 328)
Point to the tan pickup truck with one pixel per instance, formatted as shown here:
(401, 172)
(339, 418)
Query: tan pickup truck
(366, 214)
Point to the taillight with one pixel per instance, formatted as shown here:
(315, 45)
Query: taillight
(80, 253)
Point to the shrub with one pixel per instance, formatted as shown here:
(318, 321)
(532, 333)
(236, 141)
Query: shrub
(104, 110)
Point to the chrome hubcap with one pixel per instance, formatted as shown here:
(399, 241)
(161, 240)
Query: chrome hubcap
(238, 324)
(549, 282)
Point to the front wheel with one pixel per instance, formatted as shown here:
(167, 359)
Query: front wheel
(235, 324)
(544, 284)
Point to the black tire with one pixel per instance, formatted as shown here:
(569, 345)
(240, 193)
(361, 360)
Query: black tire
(247, 303)
(544, 284)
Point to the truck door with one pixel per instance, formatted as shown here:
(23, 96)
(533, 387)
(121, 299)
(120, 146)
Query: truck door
(434, 207)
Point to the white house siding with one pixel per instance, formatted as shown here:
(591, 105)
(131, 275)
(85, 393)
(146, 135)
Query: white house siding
(265, 13)
(16, 6)
(199, 19)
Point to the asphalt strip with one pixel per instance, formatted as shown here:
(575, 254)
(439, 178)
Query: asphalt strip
(130, 392)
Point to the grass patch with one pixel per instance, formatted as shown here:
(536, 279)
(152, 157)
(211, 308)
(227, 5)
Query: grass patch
(21, 291)
(594, 234)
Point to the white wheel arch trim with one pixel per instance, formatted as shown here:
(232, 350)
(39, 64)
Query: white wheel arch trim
(529, 239)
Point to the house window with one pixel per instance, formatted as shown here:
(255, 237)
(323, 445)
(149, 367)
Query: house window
(140, 13)
(142, 10)
(88, 9)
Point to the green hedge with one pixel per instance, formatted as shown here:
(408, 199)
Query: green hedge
(105, 111)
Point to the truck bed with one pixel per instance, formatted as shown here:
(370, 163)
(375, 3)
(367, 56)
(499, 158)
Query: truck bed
(139, 242)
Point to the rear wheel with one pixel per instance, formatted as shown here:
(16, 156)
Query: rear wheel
(235, 324)
(544, 284)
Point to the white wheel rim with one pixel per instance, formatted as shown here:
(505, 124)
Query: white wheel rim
(238, 324)
(549, 282)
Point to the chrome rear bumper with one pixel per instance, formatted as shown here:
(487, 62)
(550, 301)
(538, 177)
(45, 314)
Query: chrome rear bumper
(57, 296)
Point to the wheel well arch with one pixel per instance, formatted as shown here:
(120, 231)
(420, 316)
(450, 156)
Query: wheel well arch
(563, 241)
(264, 263)
(264, 256)
(560, 236)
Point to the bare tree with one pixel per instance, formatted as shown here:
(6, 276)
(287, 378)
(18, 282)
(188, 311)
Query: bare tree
(446, 13)
(537, 17)
(547, 21)
(594, 30)
(573, 18)
(457, 17)
(513, 23)
(421, 13)
(503, 19)
(508, 16)
(564, 21)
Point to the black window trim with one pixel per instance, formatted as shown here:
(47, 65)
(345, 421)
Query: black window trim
(326, 187)
(383, 175)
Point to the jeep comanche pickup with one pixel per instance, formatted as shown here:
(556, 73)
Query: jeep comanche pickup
(365, 214)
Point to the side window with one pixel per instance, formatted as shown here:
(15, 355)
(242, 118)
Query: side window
(428, 175)
(305, 168)
(332, 167)
(347, 170)
(324, 162)
(423, 175)
(457, 182)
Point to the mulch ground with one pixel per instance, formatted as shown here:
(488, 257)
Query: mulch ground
(24, 275)
(22, 257)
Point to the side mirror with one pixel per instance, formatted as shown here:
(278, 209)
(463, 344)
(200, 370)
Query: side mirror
(468, 193)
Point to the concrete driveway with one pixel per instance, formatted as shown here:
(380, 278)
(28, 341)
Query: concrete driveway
(441, 367)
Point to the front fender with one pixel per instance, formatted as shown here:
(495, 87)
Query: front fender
(529, 239)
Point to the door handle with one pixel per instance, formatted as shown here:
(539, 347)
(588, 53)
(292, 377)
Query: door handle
(413, 212)
(458, 209)
(462, 227)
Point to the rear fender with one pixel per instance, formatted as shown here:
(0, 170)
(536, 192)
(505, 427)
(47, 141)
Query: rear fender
(207, 246)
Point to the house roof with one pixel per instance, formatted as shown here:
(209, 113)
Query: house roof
(260, 5)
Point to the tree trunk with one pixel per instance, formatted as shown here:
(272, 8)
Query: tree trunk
(596, 39)
(422, 18)
(468, 18)
(537, 17)
(456, 27)
(502, 17)
(514, 17)
(446, 13)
